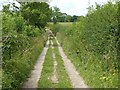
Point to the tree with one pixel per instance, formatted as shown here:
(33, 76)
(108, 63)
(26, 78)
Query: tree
(68, 18)
(6, 8)
(36, 13)
(74, 18)
(56, 14)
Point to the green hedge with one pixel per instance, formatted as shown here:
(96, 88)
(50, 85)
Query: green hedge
(21, 47)
(91, 44)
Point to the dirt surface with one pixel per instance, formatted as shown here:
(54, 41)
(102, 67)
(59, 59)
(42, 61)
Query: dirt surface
(74, 76)
(32, 81)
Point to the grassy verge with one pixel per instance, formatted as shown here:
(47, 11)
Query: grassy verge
(64, 81)
(16, 70)
(45, 80)
(92, 67)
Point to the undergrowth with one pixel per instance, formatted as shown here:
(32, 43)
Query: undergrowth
(21, 45)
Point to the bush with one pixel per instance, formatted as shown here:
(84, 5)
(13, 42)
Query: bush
(22, 44)
(91, 44)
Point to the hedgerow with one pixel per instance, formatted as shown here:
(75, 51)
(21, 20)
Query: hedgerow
(92, 44)
(21, 46)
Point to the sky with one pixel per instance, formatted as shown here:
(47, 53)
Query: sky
(71, 7)
(75, 7)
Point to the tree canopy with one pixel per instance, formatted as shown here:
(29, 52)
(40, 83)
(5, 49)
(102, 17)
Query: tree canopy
(36, 13)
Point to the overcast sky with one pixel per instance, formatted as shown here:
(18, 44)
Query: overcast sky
(75, 7)
(72, 7)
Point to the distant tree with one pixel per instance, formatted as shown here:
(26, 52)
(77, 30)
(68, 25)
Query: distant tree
(74, 18)
(56, 14)
(62, 17)
(68, 18)
(80, 18)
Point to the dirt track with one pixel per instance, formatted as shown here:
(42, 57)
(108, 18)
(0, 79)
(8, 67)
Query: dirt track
(76, 79)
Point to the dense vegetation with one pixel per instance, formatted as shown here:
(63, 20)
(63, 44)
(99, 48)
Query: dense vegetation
(22, 42)
(92, 45)
(36, 14)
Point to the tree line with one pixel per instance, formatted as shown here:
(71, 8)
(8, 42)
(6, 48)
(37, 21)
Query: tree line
(58, 16)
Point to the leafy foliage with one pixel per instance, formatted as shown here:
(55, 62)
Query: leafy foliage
(58, 16)
(91, 43)
(21, 46)
(36, 13)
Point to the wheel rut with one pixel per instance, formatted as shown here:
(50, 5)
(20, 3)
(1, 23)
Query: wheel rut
(32, 81)
(74, 76)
